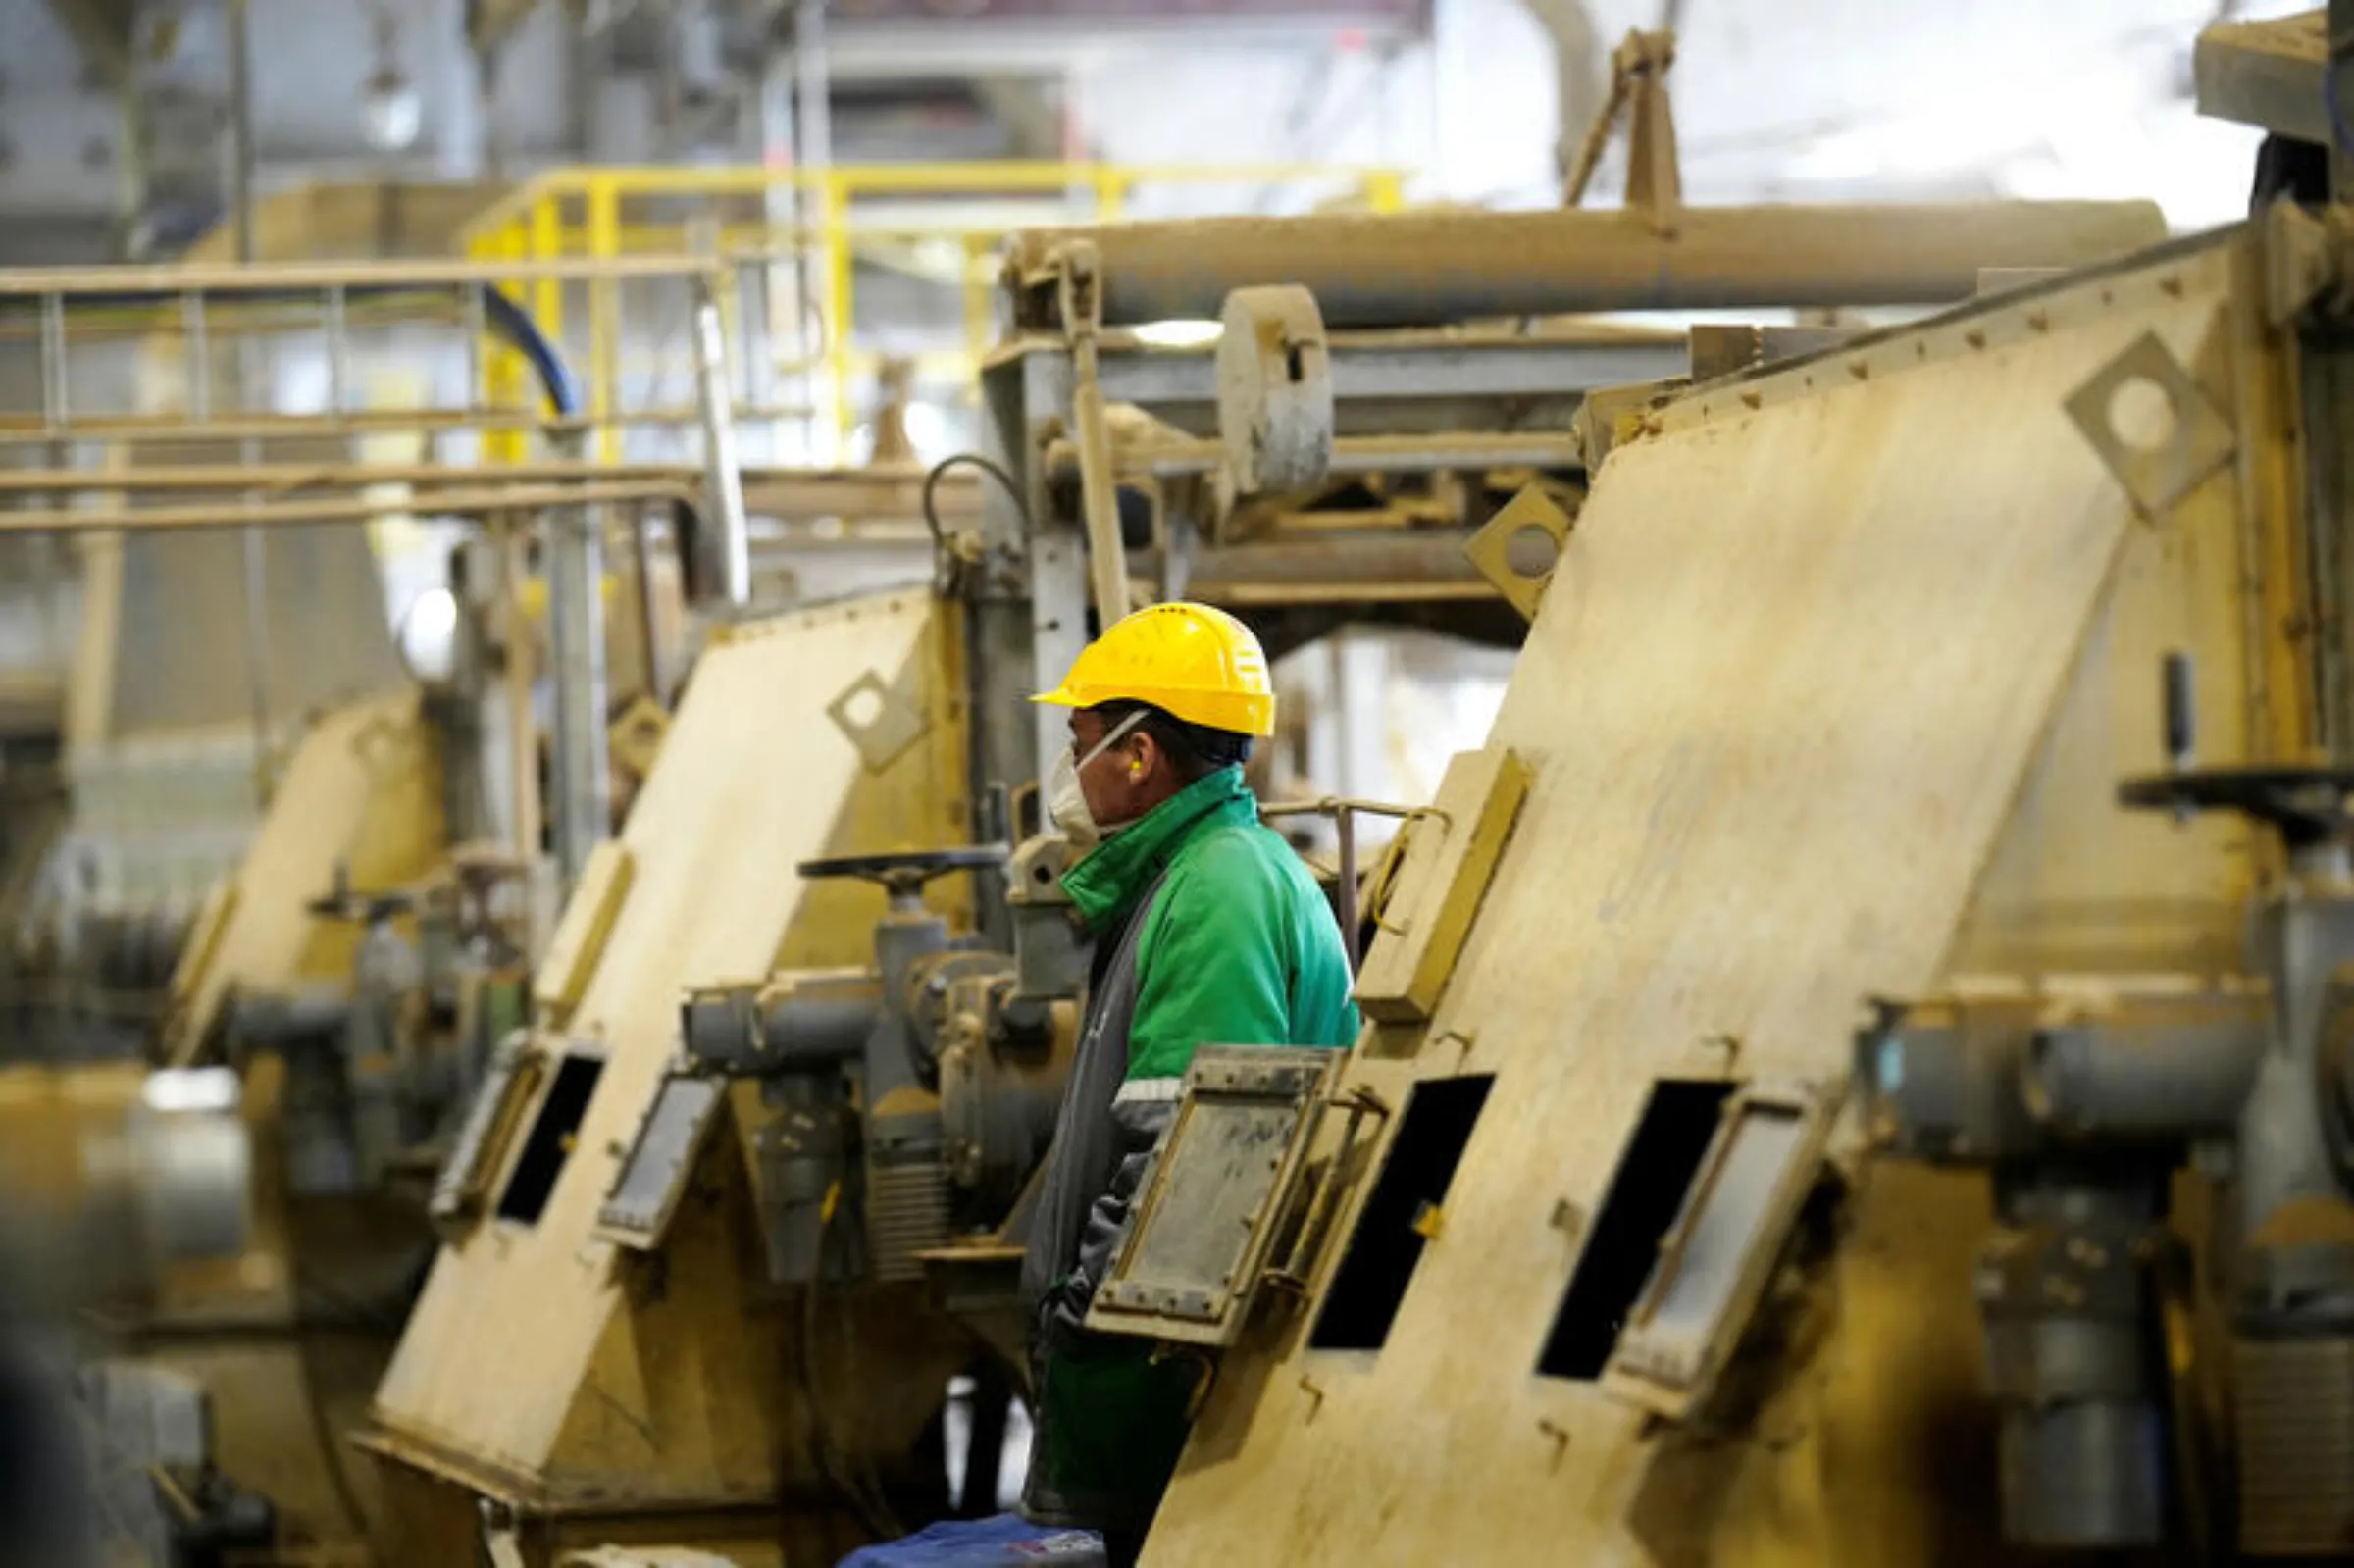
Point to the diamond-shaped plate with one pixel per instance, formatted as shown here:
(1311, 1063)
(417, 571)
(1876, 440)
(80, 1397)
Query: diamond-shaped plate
(1491, 548)
(881, 719)
(2198, 441)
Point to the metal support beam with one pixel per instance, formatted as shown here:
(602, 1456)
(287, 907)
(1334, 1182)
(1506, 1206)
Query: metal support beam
(1359, 566)
(1425, 269)
(574, 567)
(241, 155)
(2267, 73)
(723, 479)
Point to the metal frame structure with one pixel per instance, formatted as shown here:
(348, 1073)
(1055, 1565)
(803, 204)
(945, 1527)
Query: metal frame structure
(200, 308)
(809, 269)
(1444, 400)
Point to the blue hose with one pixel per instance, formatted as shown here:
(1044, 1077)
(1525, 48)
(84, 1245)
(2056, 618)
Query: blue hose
(514, 324)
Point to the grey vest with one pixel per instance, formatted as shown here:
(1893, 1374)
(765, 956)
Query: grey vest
(1101, 1145)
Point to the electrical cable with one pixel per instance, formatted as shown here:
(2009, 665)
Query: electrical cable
(873, 1513)
(996, 471)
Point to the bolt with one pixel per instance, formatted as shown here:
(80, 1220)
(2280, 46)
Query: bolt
(1561, 1440)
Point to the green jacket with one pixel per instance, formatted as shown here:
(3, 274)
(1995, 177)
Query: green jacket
(1239, 947)
(1209, 932)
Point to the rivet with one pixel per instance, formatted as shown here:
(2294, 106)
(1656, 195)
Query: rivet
(2039, 321)
(1754, 399)
(1975, 337)
(1859, 369)
(1566, 1217)
(2172, 286)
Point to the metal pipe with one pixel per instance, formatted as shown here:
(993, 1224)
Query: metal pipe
(313, 514)
(1385, 564)
(722, 479)
(574, 567)
(115, 285)
(1354, 454)
(124, 429)
(1368, 270)
(2166, 1078)
(851, 494)
(242, 158)
(1106, 550)
(57, 409)
(522, 732)
(819, 207)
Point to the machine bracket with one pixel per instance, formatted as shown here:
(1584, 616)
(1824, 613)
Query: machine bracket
(1717, 1260)
(490, 1125)
(1221, 1189)
(1451, 852)
(1494, 547)
(652, 1179)
(1275, 410)
(2196, 439)
(578, 943)
(882, 719)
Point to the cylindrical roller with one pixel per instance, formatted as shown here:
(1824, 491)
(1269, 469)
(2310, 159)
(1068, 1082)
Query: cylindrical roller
(1367, 271)
(2065, 1289)
(2158, 1079)
(1274, 391)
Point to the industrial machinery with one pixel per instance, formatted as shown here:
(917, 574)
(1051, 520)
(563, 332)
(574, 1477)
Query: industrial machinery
(1612, 1238)
(677, 1298)
(918, 1095)
(2085, 1109)
(602, 1350)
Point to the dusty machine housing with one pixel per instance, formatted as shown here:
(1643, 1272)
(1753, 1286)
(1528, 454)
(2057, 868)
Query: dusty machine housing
(1855, 1074)
(665, 1348)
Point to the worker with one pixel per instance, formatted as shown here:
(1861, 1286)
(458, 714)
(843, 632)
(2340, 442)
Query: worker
(1209, 929)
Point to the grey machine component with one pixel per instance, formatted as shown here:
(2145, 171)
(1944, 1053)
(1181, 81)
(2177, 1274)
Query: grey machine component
(369, 1077)
(156, 1494)
(917, 1096)
(2084, 1112)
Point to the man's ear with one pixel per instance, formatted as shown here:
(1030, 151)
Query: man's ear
(1142, 763)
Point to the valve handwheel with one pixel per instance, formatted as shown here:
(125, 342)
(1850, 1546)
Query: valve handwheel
(903, 876)
(2305, 805)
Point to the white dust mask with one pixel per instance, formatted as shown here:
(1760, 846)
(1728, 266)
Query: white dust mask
(1067, 801)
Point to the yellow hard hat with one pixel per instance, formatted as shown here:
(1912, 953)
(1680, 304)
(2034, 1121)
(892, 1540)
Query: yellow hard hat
(1189, 661)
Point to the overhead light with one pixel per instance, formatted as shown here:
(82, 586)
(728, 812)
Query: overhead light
(427, 637)
(391, 112)
(1177, 334)
(181, 1090)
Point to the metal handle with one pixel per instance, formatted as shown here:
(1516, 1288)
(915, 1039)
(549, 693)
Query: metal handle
(1293, 1271)
(2181, 716)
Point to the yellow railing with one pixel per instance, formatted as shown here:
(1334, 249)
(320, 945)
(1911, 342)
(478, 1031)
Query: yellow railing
(613, 211)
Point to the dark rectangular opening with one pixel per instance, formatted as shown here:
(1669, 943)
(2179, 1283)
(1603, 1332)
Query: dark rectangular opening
(1647, 1193)
(1369, 1285)
(544, 1153)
